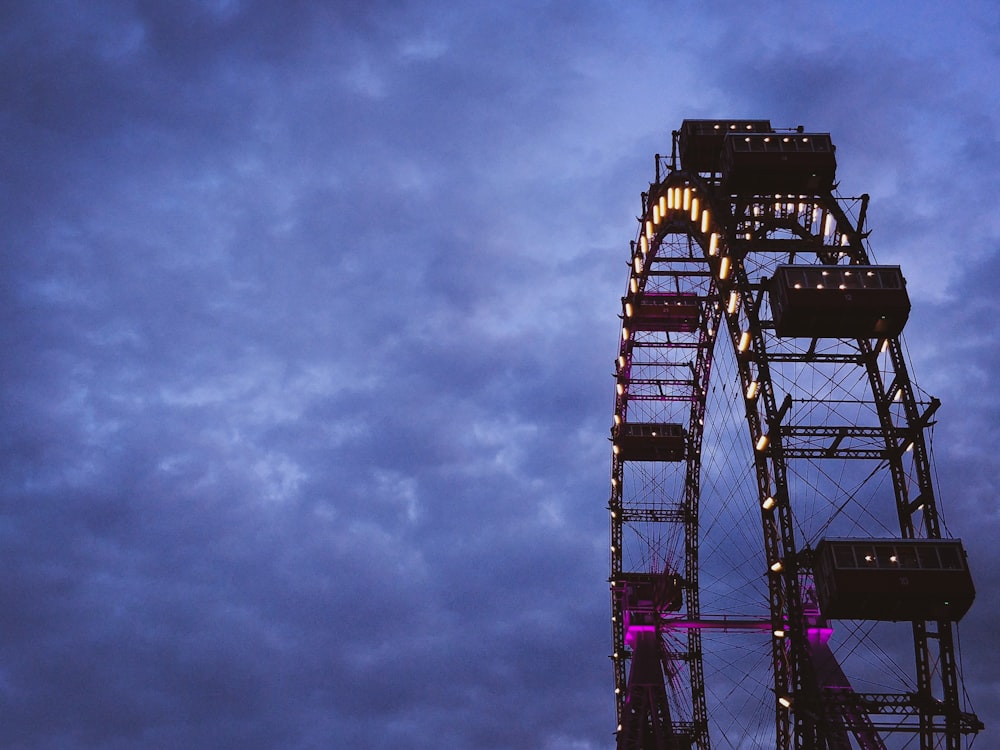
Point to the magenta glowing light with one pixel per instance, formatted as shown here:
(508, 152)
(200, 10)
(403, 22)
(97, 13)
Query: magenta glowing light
(632, 633)
(818, 635)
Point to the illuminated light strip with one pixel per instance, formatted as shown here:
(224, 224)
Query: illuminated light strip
(713, 244)
(694, 209)
(734, 302)
(704, 221)
(724, 268)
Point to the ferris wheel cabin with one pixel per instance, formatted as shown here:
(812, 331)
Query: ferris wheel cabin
(701, 141)
(766, 163)
(645, 441)
(838, 301)
(893, 579)
(753, 158)
(671, 312)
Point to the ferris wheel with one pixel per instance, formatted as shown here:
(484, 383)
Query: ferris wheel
(780, 574)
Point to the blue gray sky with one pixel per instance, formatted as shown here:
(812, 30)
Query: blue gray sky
(308, 313)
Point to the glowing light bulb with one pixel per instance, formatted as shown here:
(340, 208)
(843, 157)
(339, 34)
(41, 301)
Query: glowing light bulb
(705, 221)
(713, 244)
(752, 390)
(724, 268)
(769, 503)
(734, 302)
(777, 567)
(762, 442)
(744, 342)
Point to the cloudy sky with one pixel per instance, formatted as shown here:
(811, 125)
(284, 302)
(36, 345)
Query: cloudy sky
(308, 312)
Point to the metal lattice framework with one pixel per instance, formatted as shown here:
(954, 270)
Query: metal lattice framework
(731, 462)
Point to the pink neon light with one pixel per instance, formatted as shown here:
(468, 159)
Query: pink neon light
(632, 632)
(819, 635)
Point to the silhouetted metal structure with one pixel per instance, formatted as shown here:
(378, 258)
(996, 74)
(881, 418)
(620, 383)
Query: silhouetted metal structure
(741, 234)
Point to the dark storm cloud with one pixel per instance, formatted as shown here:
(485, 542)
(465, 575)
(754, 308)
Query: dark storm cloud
(252, 477)
(308, 313)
